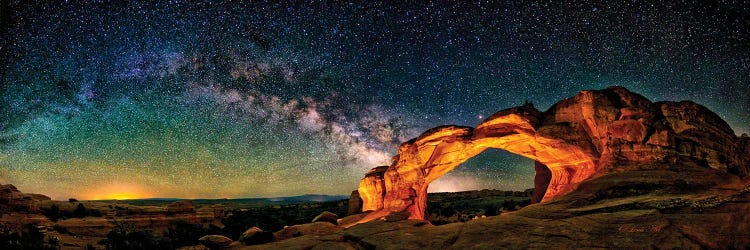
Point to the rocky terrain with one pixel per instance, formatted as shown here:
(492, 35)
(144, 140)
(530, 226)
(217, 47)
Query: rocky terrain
(12, 200)
(75, 224)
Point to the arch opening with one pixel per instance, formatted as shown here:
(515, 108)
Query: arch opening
(491, 169)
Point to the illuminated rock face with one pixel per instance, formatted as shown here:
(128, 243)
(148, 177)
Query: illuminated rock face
(588, 135)
(371, 189)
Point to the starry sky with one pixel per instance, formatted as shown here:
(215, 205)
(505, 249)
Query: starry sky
(194, 99)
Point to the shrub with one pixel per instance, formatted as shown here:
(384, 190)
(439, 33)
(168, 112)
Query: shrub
(80, 211)
(125, 237)
(182, 233)
(53, 213)
(490, 209)
(23, 237)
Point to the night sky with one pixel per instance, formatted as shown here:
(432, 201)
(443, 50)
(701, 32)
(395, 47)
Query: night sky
(186, 99)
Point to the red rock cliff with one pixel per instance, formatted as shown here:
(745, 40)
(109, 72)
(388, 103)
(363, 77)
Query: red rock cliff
(589, 135)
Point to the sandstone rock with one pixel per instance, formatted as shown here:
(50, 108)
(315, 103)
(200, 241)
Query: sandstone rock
(215, 241)
(587, 136)
(355, 203)
(621, 171)
(11, 199)
(326, 216)
(330, 245)
(305, 242)
(372, 188)
(675, 208)
(181, 207)
(351, 219)
(315, 228)
(196, 247)
(255, 235)
(396, 216)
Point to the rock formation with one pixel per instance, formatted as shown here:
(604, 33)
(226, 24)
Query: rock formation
(592, 134)
(215, 241)
(355, 203)
(13, 200)
(255, 235)
(311, 229)
(181, 207)
(618, 170)
(372, 188)
(326, 216)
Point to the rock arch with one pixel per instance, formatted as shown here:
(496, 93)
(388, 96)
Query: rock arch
(579, 138)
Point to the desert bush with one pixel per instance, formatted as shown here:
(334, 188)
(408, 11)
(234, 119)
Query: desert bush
(80, 211)
(125, 237)
(53, 213)
(15, 236)
(182, 233)
(490, 209)
(274, 218)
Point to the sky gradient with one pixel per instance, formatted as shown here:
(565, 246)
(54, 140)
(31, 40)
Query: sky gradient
(196, 99)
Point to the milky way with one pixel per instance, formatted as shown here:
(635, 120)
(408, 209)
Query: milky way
(199, 99)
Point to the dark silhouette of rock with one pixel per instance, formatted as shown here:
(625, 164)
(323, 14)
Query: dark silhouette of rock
(326, 216)
(355, 203)
(592, 134)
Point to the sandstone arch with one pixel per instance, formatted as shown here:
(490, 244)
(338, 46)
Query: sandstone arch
(591, 134)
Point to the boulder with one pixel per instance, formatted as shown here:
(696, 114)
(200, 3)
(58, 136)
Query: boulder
(355, 203)
(255, 235)
(215, 241)
(326, 216)
(313, 229)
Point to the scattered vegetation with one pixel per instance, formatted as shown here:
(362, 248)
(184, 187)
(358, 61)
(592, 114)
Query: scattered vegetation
(125, 236)
(444, 208)
(29, 236)
(54, 212)
(183, 233)
(275, 217)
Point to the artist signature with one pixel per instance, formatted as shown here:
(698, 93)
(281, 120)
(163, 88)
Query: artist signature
(632, 228)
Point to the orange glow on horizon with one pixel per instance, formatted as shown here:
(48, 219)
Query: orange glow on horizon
(117, 192)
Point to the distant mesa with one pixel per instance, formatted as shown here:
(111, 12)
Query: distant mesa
(593, 134)
(12, 200)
